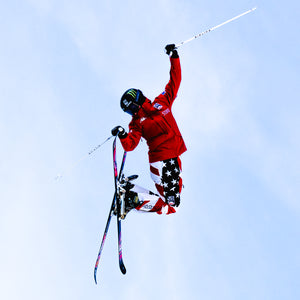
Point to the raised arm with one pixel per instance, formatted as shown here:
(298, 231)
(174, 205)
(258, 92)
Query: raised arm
(173, 85)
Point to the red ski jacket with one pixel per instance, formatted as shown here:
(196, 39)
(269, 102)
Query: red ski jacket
(155, 122)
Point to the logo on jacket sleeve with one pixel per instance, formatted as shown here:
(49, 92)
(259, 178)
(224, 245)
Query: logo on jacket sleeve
(166, 111)
(157, 106)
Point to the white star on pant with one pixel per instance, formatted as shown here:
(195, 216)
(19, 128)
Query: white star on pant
(174, 181)
(168, 173)
(172, 162)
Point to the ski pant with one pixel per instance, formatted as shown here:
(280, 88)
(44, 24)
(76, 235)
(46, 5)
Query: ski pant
(166, 176)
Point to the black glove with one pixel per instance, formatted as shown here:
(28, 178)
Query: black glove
(120, 131)
(171, 48)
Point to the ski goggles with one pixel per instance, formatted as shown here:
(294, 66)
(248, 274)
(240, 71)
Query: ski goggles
(132, 108)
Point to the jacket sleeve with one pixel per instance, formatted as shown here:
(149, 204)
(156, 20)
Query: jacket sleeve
(133, 137)
(172, 87)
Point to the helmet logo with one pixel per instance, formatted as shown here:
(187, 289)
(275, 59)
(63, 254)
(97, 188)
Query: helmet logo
(132, 93)
(126, 103)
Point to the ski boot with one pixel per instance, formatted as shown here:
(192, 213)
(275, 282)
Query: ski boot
(128, 197)
(131, 200)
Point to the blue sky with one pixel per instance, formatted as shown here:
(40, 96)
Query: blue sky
(64, 66)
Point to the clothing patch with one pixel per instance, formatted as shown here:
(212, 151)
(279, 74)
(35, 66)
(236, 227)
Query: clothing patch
(171, 200)
(166, 111)
(157, 106)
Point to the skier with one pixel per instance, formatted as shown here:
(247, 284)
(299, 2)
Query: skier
(154, 121)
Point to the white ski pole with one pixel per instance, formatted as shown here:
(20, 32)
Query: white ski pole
(215, 27)
(58, 176)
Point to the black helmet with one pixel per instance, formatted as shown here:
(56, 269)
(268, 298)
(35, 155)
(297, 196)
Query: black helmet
(132, 100)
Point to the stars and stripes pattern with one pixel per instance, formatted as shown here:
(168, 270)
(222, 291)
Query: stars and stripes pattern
(171, 181)
(166, 176)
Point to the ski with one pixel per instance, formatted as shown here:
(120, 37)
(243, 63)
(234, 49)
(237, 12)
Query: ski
(112, 208)
(116, 205)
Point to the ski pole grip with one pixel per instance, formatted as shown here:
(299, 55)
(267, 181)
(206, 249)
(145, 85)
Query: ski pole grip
(116, 130)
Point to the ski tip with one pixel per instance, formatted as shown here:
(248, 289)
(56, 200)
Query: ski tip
(123, 271)
(95, 276)
(122, 268)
